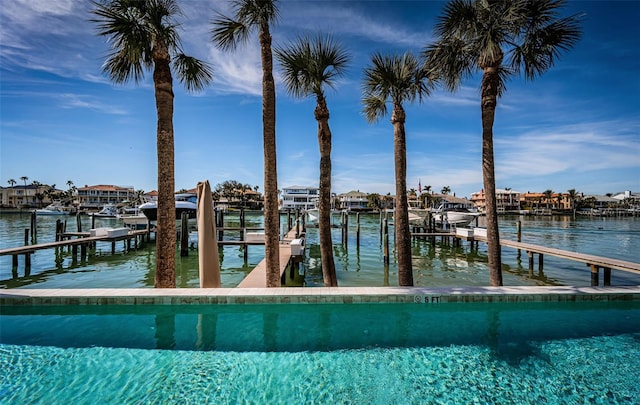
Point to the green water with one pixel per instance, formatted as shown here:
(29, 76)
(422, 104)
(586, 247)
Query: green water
(357, 265)
(587, 352)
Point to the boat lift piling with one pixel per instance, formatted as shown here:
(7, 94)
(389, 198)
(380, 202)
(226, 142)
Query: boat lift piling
(184, 234)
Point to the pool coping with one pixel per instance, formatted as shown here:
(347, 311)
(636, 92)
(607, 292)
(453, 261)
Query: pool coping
(316, 295)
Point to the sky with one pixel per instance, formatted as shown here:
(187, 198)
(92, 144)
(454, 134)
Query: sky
(575, 127)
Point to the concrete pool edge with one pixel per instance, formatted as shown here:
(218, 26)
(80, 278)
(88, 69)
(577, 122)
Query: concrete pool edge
(316, 295)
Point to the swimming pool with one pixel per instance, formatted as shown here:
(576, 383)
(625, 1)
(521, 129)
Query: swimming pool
(425, 351)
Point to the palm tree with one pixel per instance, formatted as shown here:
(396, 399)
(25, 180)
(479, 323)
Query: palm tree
(24, 192)
(227, 33)
(445, 190)
(309, 65)
(38, 195)
(12, 183)
(143, 35)
(547, 196)
(501, 38)
(573, 194)
(397, 79)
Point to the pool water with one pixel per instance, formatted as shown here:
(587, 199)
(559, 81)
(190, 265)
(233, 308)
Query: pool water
(570, 352)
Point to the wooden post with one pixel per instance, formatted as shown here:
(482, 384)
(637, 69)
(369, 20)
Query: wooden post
(530, 262)
(83, 252)
(518, 236)
(607, 276)
(540, 263)
(14, 265)
(79, 221)
(220, 226)
(184, 235)
(386, 242)
(34, 228)
(58, 226)
(346, 228)
(93, 222)
(26, 237)
(27, 264)
(74, 254)
(358, 230)
(594, 275)
(245, 252)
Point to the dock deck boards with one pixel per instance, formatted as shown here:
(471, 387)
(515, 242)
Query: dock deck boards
(258, 276)
(599, 261)
(70, 242)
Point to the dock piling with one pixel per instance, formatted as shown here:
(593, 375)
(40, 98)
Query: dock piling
(184, 235)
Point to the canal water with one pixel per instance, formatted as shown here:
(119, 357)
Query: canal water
(357, 264)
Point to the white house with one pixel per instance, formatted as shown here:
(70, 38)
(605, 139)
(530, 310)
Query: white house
(299, 197)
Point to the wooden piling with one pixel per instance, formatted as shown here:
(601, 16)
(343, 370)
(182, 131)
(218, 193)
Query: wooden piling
(518, 235)
(607, 276)
(184, 235)
(358, 230)
(386, 242)
(34, 228)
(78, 222)
(594, 275)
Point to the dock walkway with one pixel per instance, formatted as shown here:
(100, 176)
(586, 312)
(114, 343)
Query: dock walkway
(82, 239)
(258, 276)
(595, 263)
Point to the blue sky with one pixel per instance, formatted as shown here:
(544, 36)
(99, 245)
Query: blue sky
(578, 126)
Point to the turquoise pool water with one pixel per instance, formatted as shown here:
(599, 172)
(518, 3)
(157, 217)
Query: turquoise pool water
(572, 352)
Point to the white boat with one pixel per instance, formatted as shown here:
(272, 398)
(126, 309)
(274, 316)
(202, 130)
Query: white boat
(418, 216)
(453, 214)
(184, 203)
(107, 211)
(52, 209)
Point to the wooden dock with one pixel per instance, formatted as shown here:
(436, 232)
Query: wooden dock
(82, 240)
(595, 263)
(258, 276)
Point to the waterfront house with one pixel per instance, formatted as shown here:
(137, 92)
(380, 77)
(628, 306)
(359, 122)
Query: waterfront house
(95, 197)
(299, 197)
(507, 200)
(354, 200)
(29, 196)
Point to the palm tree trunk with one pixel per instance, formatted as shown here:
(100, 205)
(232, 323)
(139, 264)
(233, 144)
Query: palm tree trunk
(401, 219)
(324, 202)
(166, 232)
(271, 215)
(490, 82)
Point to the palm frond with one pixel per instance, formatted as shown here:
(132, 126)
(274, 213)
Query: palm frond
(542, 46)
(374, 107)
(228, 33)
(309, 64)
(395, 78)
(193, 73)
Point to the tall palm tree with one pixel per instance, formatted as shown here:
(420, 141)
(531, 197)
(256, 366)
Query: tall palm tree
(12, 183)
(228, 33)
(143, 36)
(24, 192)
(309, 65)
(397, 79)
(501, 38)
(573, 195)
(445, 190)
(547, 196)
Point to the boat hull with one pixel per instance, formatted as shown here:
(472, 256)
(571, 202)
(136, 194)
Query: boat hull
(150, 210)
